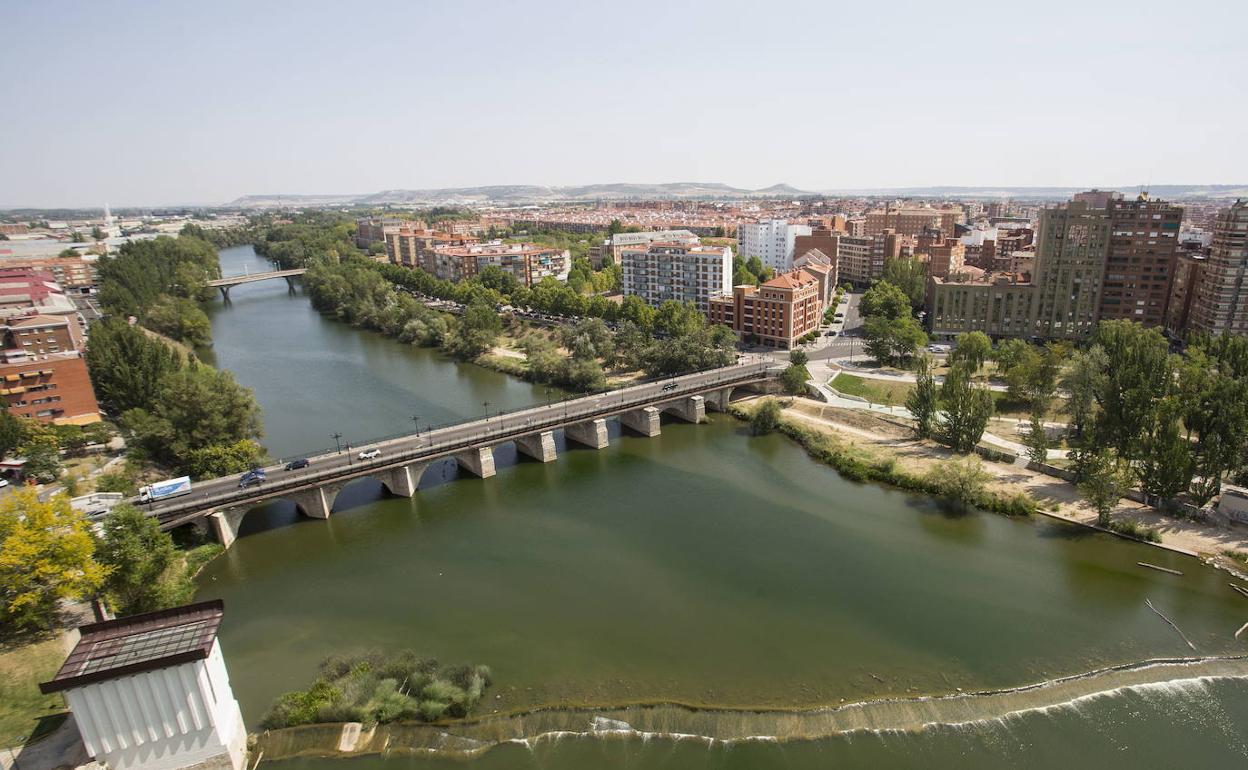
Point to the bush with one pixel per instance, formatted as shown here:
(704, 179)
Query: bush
(1135, 530)
(374, 687)
(766, 417)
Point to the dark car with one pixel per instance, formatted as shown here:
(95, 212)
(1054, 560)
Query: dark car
(251, 479)
(296, 464)
(669, 386)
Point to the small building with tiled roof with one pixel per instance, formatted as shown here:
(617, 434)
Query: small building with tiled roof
(151, 691)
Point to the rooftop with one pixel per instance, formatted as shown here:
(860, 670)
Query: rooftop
(139, 643)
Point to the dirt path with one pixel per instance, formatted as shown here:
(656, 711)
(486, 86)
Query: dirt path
(1060, 498)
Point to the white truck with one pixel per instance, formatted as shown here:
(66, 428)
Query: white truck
(162, 490)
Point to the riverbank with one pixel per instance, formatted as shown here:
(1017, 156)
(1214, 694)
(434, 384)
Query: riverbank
(878, 436)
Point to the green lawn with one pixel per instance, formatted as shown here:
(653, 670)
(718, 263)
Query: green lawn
(23, 708)
(1008, 407)
(875, 391)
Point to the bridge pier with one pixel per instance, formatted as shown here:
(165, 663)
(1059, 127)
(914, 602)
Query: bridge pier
(479, 462)
(316, 503)
(644, 421)
(539, 446)
(225, 294)
(402, 482)
(225, 524)
(718, 400)
(592, 434)
(692, 409)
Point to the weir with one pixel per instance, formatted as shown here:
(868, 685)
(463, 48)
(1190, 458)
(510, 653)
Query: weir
(728, 726)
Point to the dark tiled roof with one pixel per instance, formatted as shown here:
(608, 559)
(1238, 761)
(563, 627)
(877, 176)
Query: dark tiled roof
(139, 643)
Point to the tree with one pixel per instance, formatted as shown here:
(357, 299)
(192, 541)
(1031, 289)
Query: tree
(126, 365)
(216, 460)
(475, 333)
(1165, 462)
(180, 319)
(794, 378)
(960, 478)
(42, 451)
(884, 300)
(142, 563)
(798, 357)
(1034, 374)
(766, 417)
(967, 409)
(1008, 353)
(678, 319)
(1081, 381)
(97, 234)
(46, 554)
(11, 432)
(972, 348)
(893, 340)
(910, 275)
(1037, 440)
(1139, 374)
(195, 407)
(923, 401)
(1103, 480)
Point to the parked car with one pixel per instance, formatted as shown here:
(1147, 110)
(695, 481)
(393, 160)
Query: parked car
(296, 464)
(369, 454)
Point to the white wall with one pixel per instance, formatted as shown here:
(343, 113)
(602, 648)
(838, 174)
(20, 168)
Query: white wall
(164, 719)
(771, 241)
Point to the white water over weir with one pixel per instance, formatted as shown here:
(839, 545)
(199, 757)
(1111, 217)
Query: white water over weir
(727, 726)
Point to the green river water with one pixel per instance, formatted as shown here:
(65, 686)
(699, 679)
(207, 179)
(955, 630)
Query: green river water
(704, 568)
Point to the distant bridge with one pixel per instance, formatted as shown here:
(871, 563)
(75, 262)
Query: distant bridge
(225, 284)
(401, 461)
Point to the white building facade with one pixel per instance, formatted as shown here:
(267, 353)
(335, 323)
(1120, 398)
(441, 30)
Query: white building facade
(151, 691)
(771, 241)
(679, 272)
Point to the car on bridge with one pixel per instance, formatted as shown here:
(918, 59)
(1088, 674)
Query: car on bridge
(252, 478)
(297, 464)
(669, 386)
(369, 454)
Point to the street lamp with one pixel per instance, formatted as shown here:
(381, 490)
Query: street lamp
(416, 422)
(486, 406)
(336, 443)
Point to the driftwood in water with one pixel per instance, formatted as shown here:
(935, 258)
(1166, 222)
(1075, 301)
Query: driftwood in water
(1171, 622)
(1159, 569)
(1238, 589)
(1242, 629)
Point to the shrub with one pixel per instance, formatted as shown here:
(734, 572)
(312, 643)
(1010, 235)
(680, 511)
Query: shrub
(766, 417)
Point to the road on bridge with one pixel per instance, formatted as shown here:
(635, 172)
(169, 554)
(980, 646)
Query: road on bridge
(437, 443)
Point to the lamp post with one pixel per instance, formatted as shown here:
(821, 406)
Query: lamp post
(416, 422)
(336, 443)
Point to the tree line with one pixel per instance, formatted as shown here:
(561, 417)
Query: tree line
(161, 283)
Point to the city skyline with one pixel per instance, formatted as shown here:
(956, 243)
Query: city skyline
(151, 105)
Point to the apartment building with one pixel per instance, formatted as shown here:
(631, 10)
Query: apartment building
(860, 258)
(775, 314)
(995, 305)
(1221, 302)
(413, 246)
(942, 255)
(1140, 262)
(1188, 271)
(677, 271)
(913, 221)
(370, 230)
(1071, 251)
(528, 263)
(771, 240)
(76, 275)
(621, 241)
(822, 239)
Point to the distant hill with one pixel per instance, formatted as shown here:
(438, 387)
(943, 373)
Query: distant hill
(516, 194)
(511, 195)
(1168, 192)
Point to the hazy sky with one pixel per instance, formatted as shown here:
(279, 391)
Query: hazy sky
(179, 102)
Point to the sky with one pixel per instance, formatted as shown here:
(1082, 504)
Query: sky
(151, 103)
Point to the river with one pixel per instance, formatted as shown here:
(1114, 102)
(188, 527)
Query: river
(704, 567)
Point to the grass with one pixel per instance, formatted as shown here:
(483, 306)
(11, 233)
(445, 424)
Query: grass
(24, 711)
(1010, 407)
(1135, 530)
(1239, 556)
(875, 391)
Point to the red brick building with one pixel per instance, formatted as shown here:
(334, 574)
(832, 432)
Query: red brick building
(774, 314)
